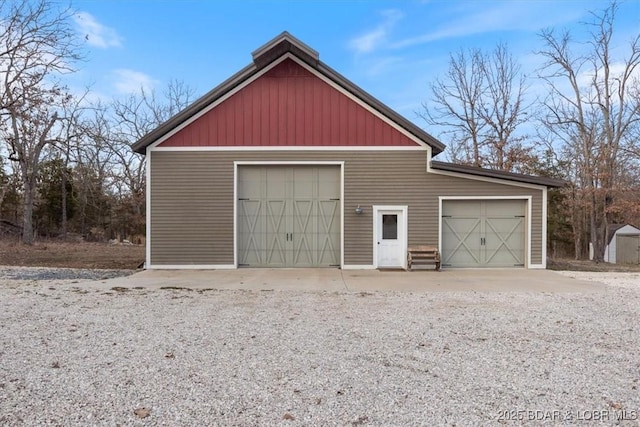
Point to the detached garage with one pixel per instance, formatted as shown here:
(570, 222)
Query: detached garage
(289, 164)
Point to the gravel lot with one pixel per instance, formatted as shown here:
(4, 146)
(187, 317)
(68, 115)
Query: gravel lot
(175, 357)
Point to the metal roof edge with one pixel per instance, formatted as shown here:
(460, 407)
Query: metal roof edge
(473, 170)
(285, 36)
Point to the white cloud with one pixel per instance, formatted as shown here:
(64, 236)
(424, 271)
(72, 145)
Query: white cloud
(504, 16)
(372, 40)
(616, 75)
(131, 81)
(95, 33)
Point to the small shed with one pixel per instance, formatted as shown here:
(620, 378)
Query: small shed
(623, 244)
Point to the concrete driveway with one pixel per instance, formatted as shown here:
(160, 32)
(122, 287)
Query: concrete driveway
(328, 279)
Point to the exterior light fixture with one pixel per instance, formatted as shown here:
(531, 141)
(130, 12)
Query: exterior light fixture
(359, 210)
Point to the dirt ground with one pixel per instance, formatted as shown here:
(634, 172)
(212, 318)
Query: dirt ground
(582, 265)
(73, 255)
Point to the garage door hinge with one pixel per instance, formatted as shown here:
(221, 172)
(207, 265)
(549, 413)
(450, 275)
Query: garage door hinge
(241, 198)
(518, 216)
(446, 216)
(334, 199)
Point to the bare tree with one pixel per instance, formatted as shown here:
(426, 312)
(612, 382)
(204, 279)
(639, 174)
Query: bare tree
(503, 110)
(456, 104)
(93, 174)
(112, 129)
(593, 111)
(137, 115)
(37, 43)
(480, 104)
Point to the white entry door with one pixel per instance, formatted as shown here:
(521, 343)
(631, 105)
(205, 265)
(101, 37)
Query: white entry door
(390, 237)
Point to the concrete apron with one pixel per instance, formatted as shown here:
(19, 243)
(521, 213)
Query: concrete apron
(331, 280)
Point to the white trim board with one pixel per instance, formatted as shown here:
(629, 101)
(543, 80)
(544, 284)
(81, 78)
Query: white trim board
(294, 148)
(358, 267)
(148, 211)
(191, 267)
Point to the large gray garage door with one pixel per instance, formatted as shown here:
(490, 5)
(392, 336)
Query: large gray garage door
(288, 216)
(483, 233)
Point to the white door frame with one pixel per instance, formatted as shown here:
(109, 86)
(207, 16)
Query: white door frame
(403, 230)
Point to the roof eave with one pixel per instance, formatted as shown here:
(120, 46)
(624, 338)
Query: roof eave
(490, 173)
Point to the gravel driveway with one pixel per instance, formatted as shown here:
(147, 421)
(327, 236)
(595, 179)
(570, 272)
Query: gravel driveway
(175, 357)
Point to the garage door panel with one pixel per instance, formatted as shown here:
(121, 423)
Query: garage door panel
(328, 223)
(303, 182)
(504, 241)
(483, 233)
(250, 183)
(300, 216)
(504, 208)
(275, 182)
(275, 250)
(461, 241)
(303, 236)
(329, 183)
(251, 235)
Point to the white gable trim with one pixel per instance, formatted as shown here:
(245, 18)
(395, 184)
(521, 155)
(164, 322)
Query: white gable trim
(295, 148)
(154, 145)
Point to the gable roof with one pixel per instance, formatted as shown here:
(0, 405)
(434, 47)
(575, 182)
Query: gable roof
(262, 57)
(490, 173)
(613, 228)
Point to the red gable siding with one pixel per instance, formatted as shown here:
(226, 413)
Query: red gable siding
(288, 106)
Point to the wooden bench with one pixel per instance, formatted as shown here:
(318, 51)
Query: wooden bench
(423, 255)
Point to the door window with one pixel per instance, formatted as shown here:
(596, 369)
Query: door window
(389, 227)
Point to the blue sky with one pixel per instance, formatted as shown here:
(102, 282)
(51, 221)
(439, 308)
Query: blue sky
(392, 49)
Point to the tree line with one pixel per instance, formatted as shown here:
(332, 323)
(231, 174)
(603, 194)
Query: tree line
(66, 163)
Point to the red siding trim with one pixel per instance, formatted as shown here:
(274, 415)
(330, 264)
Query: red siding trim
(288, 106)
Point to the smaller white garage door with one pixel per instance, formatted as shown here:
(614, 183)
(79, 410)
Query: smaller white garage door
(483, 233)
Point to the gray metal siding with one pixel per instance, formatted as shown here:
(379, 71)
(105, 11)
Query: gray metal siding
(192, 200)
